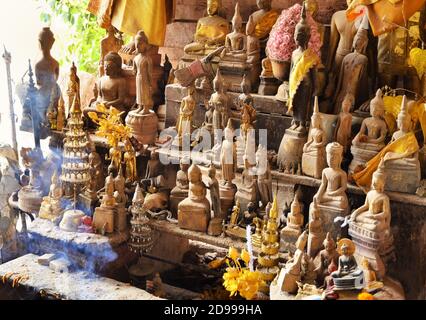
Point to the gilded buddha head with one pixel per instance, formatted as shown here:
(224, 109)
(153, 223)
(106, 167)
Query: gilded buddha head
(213, 7)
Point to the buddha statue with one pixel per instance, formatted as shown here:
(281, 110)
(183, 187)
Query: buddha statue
(143, 121)
(369, 225)
(119, 186)
(245, 97)
(264, 176)
(371, 137)
(51, 207)
(325, 258)
(371, 283)
(110, 43)
(343, 132)
(313, 158)
(194, 212)
(95, 162)
(247, 191)
(186, 112)
(316, 233)
(403, 173)
(353, 76)
(104, 217)
(236, 41)
(348, 275)
(210, 32)
(219, 102)
(130, 161)
(108, 199)
(181, 190)
(253, 43)
(213, 186)
(331, 196)
(73, 86)
(112, 87)
(291, 232)
(263, 19)
(61, 118)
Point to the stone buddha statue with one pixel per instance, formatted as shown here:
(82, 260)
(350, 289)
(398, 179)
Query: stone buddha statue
(110, 43)
(371, 137)
(313, 158)
(194, 212)
(263, 19)
(51, 208)
(247, 191)
(403, 169)
(236, 41)
(219, 102)
(186, 111)
(228, 156)
(295, 220)
(96, 164)
(108, 199)
(253, 43)
(211, 31)
(264, 177)
(105, 216)
(181, 190)
(331, 196)
(316, 233)
(325, 258)
(343, 132)
(353, 76)
(119, 186)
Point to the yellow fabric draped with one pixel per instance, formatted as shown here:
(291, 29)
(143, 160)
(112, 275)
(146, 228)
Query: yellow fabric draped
(130, 16)
(308, 60)
(264, 25)
(407, 144)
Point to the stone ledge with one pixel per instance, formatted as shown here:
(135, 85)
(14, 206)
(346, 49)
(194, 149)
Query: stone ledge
(68, 286)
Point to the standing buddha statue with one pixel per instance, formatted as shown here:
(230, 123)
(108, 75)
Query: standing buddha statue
(186, 111)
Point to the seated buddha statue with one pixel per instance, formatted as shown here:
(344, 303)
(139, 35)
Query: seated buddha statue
(50, 208)
(313, 158)
(236, 41)
(332, 192)
(108, 199)
(211, 31)
(295, 219)
(264, 19)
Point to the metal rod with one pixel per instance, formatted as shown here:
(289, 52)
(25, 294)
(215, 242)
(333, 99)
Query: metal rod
(8, 60)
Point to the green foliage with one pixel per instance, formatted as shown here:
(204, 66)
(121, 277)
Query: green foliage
(80, 43)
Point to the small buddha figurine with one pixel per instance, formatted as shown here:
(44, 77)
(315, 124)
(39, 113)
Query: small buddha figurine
(51, 205)
(343, 132)
(248, 117)
(181, 190)
(114, 155)
(52, 112)
(119, 186)
(95, 162)
(316, 234)
(219, 102)
(187, 107)
(264, 176)
(73, 88)
(295, 219)
(235, 215)
(154, 167)
(228, 156)
(353, 76)
(108, 199)
(236, 41)
(245, 97)
(332, 192)
(253, 43)
(60, 118)
(108, 44)
(263, 19)
(210, 32)
(302, 76)
(313, 158)
(373, 130)
(326, 257)
(213, 186)
(130, 161)
(347, 266)
(371, 283)
(112, 87)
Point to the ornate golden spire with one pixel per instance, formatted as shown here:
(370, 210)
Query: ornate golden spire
(273, 213)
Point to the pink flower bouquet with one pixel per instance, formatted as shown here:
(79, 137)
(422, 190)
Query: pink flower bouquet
(281, 42)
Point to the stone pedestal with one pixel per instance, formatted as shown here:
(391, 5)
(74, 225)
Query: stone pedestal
(227, 196)
(268, 86)
(328, 214)
(360, 158)
(103, 219)
(312, 166)
(291, 148)
(193, 215)
(144, 126)
(402, 178)
(234, 71)
(176, 197)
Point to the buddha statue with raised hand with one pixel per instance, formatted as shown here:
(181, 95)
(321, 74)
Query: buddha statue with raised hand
(211, 31)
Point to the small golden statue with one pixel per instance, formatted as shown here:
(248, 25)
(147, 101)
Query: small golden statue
(184, 125)
(130, 161)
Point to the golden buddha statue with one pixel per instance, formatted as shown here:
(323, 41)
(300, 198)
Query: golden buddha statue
(211, 31)
(60, 118)
(108, 199)
(187, 107)
(130, 161)
(264, 19)
(236, 41)
(295, 220)
(50, 208)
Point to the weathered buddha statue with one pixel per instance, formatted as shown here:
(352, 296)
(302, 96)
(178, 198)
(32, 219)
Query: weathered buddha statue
(253, 43)
(108, 44)
(211, 31)
(51, 208)
(264, 177)
(228, 156)
(95, 162)
(313, 158)
(403, 168)
(73, 87)
(369, 225)
(186, 111)
(325, 257)
(181, 190)
(316, 232)
(213, 186)
(219, 101)
(353, 76)
(295, 221)
(348, 275)
(236, 41)
(371, 137)
(331, 196)
(247, 191)
(264, 19)
(108, 199)
(119, 186)
(343, 132)
(112, 87)
(105, 215)
(194, 212)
